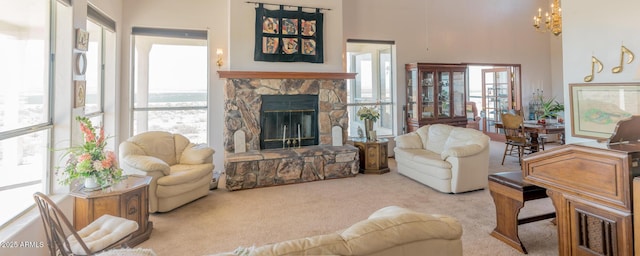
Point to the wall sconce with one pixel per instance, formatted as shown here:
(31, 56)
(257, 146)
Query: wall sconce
(220, 61)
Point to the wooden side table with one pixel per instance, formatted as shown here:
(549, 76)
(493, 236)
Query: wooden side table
(128, 199)
(373, 155)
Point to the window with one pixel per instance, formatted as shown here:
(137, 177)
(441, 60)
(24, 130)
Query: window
(101, 75)
(373, 86)
(95, 87)
(170, 91)
(25, 102)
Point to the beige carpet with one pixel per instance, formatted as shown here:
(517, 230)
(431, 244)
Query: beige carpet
(224, 220)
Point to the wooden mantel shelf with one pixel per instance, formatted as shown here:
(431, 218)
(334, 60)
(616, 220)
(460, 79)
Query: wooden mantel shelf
(285, 75)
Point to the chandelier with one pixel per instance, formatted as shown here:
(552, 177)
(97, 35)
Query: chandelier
(552, 23)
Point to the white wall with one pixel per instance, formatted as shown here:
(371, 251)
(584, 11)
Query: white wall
(596, 28)
(459, 31)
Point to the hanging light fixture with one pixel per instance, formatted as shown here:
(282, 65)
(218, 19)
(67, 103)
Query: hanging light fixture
(552, 23)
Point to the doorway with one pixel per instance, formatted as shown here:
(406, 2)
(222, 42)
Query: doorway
(495, 89)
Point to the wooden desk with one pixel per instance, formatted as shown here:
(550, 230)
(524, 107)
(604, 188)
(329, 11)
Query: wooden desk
(128, 199)
(373, 155)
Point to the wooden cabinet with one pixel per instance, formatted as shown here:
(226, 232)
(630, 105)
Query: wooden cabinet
(128, 199)
(436, 93)
(590, 185)
(373, 155)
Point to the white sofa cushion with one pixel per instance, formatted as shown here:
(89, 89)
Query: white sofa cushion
(410, 140)
(374, 234)
(463, 142)
(196, 154)
(102, 232)
(429, 158)
(158, 144)
(437, 138)
(389, 231)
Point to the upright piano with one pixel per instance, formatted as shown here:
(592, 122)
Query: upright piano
(591, 186)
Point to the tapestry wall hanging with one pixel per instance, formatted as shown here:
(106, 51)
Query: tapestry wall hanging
(288, 36)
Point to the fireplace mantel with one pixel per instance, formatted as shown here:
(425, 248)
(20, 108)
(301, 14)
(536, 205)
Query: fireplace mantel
(285, 75)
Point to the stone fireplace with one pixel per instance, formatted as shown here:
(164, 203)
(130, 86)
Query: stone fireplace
(264, 157)
(288, 121)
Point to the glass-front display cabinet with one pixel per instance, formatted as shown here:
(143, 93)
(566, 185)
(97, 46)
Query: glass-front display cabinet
(436, 93)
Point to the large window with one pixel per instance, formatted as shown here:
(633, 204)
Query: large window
(373, 86)
(25, 102)
(170, 90)
(100, 75)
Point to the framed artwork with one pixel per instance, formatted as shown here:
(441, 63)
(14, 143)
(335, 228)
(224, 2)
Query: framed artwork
(288, 36)
(597, 108)
(80, 93)
(82, 39)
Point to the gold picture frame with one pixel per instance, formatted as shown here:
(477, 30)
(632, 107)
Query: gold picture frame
(80, 93)
(597, 108)
(82, 39)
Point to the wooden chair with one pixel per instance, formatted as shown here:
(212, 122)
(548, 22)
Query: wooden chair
(516, 137)
(104, 233)
(473, 120)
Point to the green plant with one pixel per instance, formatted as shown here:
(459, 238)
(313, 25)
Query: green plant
(90, 159)
(550, 107)
(368, 113)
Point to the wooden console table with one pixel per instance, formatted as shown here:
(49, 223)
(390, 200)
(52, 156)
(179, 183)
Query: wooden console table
(373, 155)
(128, 199)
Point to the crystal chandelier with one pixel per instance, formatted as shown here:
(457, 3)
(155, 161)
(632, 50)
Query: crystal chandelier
(552, 23)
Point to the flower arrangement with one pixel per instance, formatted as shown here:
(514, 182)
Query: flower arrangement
(91, 160)
(368, 113)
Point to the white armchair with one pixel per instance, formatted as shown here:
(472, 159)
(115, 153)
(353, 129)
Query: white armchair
(181, 171)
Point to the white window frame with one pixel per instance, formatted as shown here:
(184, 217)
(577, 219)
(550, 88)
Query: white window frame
(48, 177)
(378, 75)
(171, 34)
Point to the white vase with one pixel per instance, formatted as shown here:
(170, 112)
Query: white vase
(91, 183)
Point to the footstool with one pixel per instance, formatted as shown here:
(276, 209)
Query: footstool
(509, 193)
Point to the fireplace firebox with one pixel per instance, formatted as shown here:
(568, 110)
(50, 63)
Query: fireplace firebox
(288, 121)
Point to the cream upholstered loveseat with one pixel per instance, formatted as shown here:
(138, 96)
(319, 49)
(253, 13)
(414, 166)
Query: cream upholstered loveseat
(446, 158)
(180, 170)
(392, 231)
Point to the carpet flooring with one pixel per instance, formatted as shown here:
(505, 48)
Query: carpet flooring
(225, 220)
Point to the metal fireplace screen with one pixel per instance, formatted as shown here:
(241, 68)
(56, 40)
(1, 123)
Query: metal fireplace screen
(288, 121)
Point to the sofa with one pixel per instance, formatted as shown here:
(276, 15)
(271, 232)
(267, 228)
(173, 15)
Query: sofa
(446, 158)
(392, 231)
(180, 171)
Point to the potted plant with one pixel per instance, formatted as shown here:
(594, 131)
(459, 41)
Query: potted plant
(550, 108)
(97, 167)
(370, 115)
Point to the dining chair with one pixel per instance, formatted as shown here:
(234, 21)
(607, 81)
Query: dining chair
(516, 137)
(104, 233)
